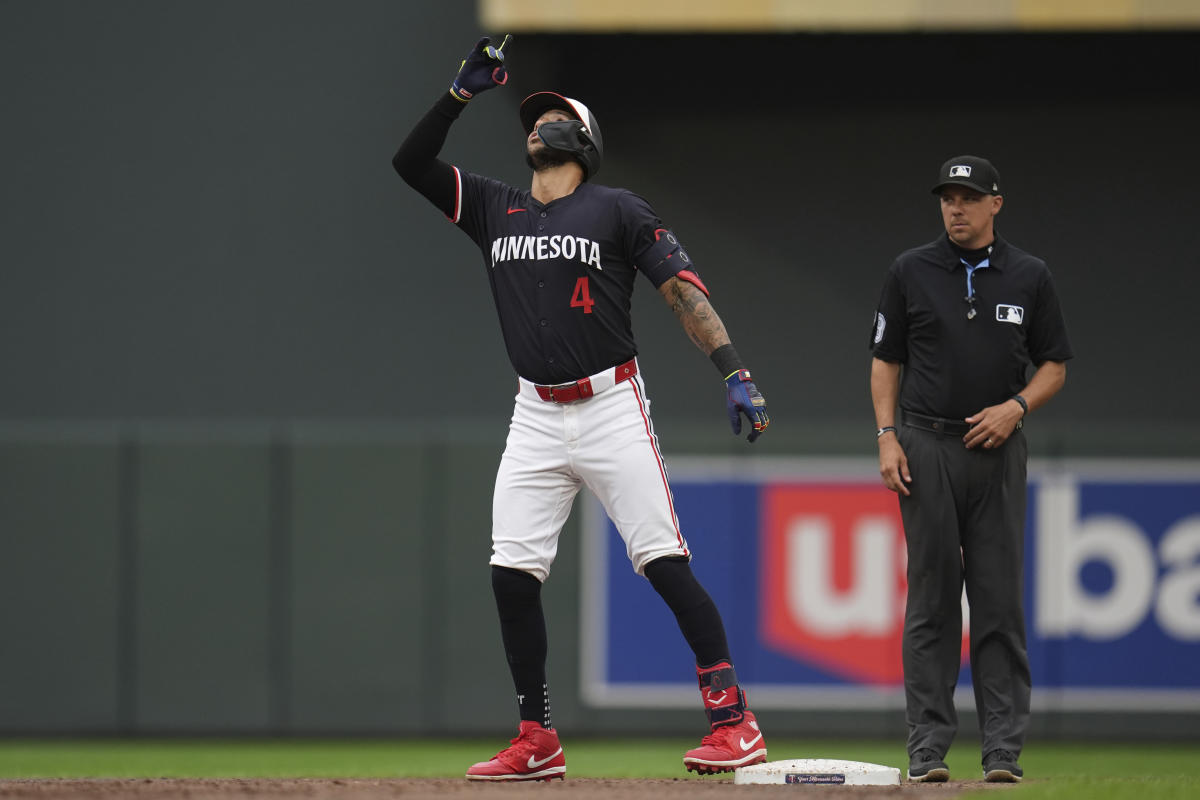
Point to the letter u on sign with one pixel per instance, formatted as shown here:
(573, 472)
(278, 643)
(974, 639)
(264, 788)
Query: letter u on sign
(833, 561)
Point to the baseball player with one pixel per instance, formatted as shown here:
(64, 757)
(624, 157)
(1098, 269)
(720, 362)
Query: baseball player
(561, 259)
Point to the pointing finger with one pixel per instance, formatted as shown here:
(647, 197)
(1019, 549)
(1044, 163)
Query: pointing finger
(497, 53)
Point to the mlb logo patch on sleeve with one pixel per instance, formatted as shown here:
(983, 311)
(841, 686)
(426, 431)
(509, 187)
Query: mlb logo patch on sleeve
(1013, 314)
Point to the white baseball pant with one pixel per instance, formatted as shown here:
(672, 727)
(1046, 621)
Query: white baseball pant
(605, 442)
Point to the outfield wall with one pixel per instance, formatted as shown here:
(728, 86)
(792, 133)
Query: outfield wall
(314, 581)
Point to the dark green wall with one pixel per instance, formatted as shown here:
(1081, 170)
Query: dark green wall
(247, 581)
(61, 614)
(254, 392)
(302, 580)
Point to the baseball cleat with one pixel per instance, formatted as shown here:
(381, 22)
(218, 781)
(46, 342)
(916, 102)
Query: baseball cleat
(535, 755)
(727, 748)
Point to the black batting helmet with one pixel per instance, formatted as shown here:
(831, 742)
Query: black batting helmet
(580, 137)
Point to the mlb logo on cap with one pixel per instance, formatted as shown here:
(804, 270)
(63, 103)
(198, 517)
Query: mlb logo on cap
(960, 171)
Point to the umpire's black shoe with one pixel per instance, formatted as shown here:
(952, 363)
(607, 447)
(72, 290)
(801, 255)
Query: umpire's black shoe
(1000, 766)
(924, 766)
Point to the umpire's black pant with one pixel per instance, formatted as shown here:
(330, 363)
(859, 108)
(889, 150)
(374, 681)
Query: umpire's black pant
(964, 521)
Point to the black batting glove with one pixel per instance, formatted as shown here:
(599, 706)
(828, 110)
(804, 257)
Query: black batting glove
(482, 69)
(743, 397)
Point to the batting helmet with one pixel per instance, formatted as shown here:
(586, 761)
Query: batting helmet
(580, 137)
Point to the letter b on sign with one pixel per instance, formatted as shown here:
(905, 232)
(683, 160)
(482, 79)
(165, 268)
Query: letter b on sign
(1148, 579)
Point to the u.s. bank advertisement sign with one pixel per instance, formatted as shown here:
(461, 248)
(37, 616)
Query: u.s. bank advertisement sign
(806, 560)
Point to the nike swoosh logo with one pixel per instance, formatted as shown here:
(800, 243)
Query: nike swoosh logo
(534, 763)
(745, 745)
(717, 700)
(516, 210)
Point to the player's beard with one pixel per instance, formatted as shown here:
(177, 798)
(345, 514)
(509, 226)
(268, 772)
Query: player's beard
(544, 158)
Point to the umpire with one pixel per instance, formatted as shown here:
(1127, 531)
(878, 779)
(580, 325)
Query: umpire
(961, 323)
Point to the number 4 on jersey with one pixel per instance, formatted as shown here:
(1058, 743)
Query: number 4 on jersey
(582, 298)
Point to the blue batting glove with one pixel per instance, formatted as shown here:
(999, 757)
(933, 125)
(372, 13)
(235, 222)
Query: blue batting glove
(482, 69)
(743, 397)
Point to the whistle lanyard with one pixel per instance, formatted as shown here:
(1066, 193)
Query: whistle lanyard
(970, 298)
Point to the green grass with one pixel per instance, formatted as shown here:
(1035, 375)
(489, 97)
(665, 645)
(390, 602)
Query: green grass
(1055, 771)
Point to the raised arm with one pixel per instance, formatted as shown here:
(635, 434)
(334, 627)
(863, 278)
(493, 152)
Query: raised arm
(416, 161)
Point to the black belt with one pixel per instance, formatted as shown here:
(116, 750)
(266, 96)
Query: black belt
(950, 427)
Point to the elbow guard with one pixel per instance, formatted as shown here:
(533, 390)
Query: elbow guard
(665, 259)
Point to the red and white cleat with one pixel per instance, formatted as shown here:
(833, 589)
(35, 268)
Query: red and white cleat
(535, 755)
(727, 748)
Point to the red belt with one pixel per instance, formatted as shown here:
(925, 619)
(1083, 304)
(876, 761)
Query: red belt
(586, 387)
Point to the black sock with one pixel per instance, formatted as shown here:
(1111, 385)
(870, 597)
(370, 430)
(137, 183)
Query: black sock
(523, 629)
(697, 615)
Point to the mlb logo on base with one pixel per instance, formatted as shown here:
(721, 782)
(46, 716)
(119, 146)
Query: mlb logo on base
(834, 579)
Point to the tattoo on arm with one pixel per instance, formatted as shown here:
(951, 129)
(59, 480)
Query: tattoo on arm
(696, 314)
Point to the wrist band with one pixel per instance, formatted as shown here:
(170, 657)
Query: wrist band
(1021, 402)
(884, 430)
(726, 360)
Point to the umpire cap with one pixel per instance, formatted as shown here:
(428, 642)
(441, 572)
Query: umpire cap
(581, 139)
(970, 171)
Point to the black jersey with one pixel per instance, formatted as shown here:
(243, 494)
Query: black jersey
(562, 274)
(964, 349)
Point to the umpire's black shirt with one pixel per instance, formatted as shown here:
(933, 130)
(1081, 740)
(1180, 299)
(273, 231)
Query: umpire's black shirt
(954, 365)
